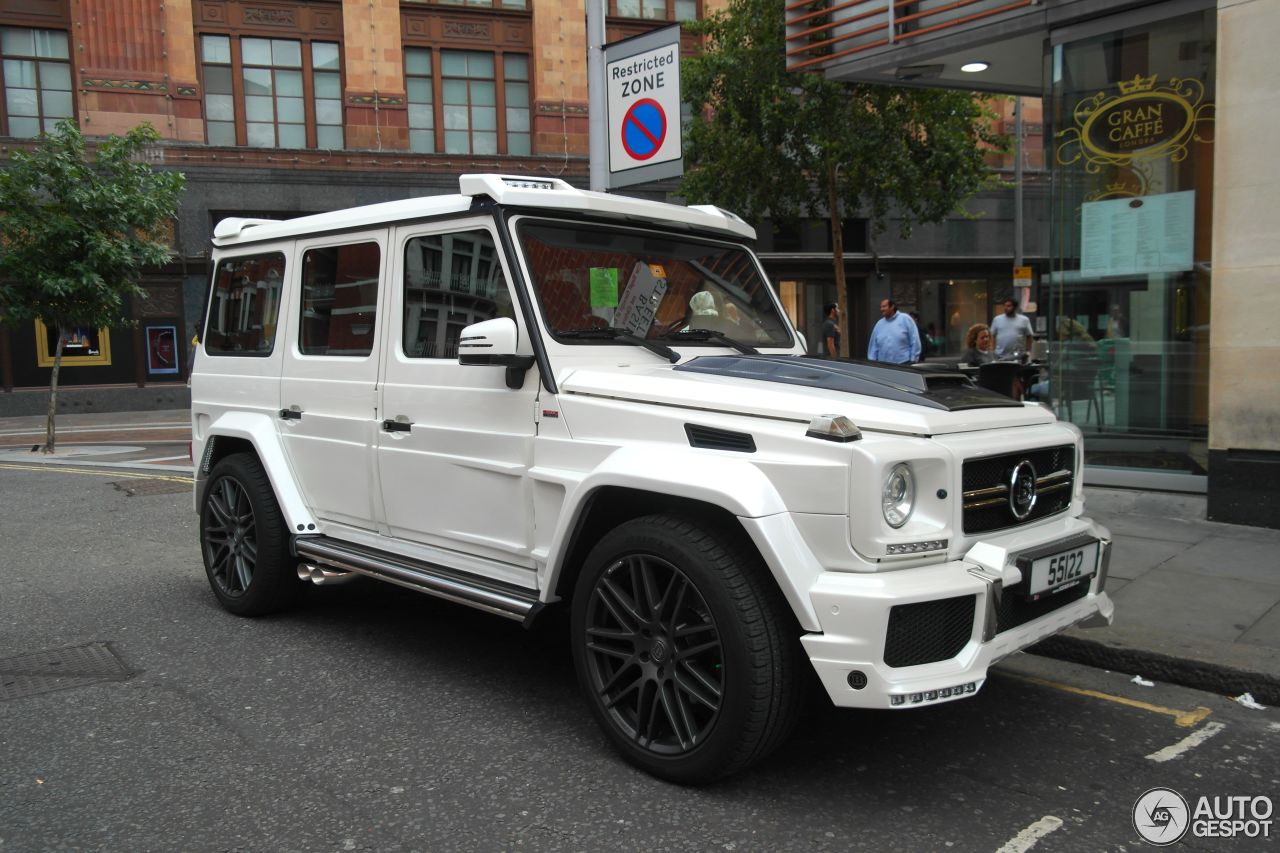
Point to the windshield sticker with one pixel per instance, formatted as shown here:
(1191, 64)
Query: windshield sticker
(604, 287)
(638, 305)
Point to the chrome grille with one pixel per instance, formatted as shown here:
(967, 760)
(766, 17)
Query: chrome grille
(985, 485)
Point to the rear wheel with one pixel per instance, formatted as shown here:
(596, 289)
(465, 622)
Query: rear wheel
(682, 646)
(243, 540)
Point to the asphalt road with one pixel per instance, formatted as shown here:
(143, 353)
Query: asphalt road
(374, 718)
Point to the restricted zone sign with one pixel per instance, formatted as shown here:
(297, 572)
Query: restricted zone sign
(642, 77)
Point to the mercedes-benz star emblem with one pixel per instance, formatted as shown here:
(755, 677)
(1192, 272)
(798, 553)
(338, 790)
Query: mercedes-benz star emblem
(1022, 489)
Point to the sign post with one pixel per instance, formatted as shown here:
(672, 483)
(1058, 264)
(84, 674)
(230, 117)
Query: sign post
(642, 81)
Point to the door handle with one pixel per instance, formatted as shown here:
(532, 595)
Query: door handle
(291, 414)
(397, 426)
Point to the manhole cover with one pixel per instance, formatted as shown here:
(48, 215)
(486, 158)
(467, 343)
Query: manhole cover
(59, 669)
(152, 487)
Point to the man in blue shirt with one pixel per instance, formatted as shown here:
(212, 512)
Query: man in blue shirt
(895, 338)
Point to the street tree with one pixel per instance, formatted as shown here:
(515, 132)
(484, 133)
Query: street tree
(75, 233)
(765, 141)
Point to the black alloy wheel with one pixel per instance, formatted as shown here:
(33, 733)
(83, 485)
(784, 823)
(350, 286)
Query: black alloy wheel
(243, 539)
(654, 654)
(685, 648)
(230, 537)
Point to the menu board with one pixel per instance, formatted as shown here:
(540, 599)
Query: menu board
(1134, 236)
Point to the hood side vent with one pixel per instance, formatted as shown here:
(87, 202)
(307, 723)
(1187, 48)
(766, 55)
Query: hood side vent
(710, 438)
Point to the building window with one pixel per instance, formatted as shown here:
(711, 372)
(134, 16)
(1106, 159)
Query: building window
(515, 75)
(478, 101)
(470, 102)
(272, 109)
(219, 98)
(417, 81)
(326, 82)
(655, 10)
(36, 81)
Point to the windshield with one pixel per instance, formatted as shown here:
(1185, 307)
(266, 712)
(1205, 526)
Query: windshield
(654, 286)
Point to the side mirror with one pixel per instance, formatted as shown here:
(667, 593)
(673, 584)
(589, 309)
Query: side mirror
(493, 342)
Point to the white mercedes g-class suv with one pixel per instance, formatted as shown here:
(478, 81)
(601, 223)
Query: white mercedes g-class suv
(527, 394)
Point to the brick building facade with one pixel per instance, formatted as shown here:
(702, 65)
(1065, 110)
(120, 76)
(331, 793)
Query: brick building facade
(277, 108)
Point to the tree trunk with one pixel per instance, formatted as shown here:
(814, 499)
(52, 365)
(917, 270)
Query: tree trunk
(837, 258)
(49, 436)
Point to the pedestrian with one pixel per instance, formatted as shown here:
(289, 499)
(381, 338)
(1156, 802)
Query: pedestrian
(1012, 331)
(829, 344)
(894, 338)
(978, 346)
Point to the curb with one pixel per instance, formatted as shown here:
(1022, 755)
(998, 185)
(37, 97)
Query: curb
(1199, 675)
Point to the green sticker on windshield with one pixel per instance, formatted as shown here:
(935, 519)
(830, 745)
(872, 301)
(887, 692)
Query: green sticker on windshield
(604, 287)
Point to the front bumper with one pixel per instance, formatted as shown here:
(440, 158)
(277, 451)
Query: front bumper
(854, 610)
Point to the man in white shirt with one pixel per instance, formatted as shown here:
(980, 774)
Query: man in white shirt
(1012, 331)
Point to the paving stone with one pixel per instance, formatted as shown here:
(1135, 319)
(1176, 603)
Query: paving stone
(1230, 557)
(1266, 631)
(1194, 604)
(1134, 556)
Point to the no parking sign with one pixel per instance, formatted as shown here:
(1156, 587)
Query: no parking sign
(642, 76)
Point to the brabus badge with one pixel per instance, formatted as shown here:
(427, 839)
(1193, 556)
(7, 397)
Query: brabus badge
(1022, 489)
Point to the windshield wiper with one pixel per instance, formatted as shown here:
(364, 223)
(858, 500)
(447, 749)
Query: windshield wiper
(616, 333)
(710, 335)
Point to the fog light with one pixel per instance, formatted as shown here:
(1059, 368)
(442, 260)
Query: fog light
(857, 679)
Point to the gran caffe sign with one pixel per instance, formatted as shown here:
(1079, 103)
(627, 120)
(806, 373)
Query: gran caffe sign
(1145, 120)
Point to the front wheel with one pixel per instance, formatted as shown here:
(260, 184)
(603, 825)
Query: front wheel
(243, 540)
(681, 644)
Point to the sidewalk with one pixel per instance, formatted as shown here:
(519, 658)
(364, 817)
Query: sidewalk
(1197, 602)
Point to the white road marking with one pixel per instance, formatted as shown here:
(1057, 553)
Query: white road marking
(1025, 840)
(1189, 742)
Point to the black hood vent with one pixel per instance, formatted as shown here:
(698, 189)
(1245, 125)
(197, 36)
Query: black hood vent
(710, 438)
(944, 389)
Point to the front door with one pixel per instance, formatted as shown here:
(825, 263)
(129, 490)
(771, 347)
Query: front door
(328, 395)
(456, 443)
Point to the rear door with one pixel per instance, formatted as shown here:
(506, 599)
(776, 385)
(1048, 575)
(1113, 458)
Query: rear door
(329, 391)
(456, 443)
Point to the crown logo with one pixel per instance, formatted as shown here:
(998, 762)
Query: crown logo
(1137, 84)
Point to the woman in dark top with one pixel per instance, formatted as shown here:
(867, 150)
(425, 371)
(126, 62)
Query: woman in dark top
(979, 345)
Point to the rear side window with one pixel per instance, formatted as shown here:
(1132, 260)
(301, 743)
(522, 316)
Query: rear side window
(339, 299)
(245, 305)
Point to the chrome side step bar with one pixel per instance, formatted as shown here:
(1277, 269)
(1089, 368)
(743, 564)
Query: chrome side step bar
(492, 596)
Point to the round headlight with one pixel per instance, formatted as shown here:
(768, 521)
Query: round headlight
(898, 496)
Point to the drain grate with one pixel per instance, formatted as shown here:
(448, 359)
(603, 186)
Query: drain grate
(59, 669)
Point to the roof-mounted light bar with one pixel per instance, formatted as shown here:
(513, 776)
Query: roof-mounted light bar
(496, 186)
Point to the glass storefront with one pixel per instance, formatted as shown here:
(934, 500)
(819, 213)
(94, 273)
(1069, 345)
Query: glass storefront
(1127, 309)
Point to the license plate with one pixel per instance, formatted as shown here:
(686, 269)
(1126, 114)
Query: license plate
(1063, 568)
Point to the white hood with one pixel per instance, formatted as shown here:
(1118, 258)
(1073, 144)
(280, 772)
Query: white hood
(762, 398)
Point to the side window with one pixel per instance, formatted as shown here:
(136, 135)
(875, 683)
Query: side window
(451, 281)
(245, 305)
(339, 299)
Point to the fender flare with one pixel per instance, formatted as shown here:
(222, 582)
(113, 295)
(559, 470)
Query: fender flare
(730, 483)
(260, 430)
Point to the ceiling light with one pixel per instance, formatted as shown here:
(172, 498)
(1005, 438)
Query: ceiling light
(974, 67)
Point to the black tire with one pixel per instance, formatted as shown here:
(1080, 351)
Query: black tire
(243, 540)
(699, 674)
